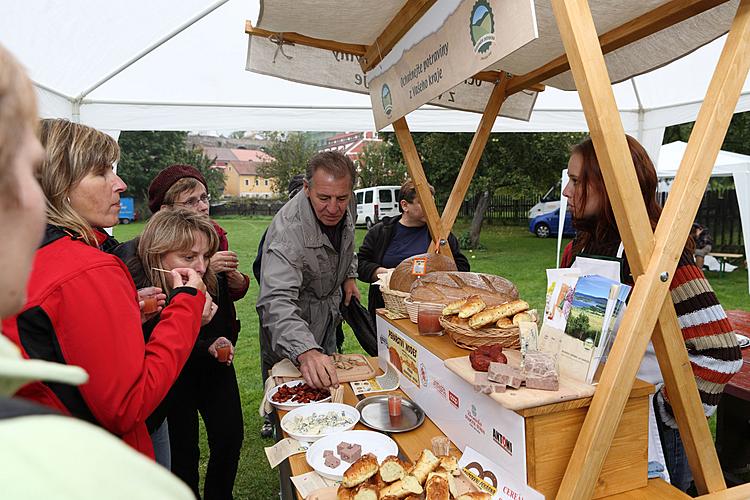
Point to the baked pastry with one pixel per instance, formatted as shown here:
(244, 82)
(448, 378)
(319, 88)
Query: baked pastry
(436, 488)
(426, 463)
(492, 314)
(360, 471)
(505, 322)
(366, 492)
(392, 469)
(418, 266)
(444, 287)
(522, 316)
(475, 495)
(402, 488)
(345, 493)
(473, 305)
(450, 464)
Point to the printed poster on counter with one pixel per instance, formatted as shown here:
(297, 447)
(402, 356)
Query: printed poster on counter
(494, 479)
(453, 41)
(403, 355)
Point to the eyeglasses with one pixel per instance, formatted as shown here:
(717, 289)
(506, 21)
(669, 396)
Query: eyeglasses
(193, 202)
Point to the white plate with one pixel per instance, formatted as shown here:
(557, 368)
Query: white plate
(376, 443)
(742, 340)
(290, 405)
(320, 409)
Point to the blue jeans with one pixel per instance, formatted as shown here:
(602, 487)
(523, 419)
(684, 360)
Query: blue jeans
(676, 460)
(160, 440)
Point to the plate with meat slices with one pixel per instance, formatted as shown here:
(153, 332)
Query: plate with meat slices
(291, 395)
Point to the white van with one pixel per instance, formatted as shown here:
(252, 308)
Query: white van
(374, 203)
(548, 203)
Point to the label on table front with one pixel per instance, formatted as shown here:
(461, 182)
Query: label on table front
(468, 418)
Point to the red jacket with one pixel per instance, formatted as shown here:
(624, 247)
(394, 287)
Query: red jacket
(82, 310)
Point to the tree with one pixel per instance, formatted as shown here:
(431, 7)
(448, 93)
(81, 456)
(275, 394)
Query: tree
(291, 152)
(144, 154)
(377, 168)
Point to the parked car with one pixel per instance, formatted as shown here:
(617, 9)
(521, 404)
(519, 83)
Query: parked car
(374, 203)
(127, 211)
(547, 203)
(547, 224)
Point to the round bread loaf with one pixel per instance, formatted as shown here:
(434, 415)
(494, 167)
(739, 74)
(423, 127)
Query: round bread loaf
(418, 265)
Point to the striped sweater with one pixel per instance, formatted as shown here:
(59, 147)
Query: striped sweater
(709, 337)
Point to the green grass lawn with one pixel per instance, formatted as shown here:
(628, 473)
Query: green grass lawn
(511, 252)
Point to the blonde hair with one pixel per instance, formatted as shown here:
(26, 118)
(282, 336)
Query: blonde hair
(73, 151)
(17, 112)
(184, 185)
(173, 231)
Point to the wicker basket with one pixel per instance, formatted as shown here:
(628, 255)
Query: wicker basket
(468, 338)
(394, 301)
(413, 309)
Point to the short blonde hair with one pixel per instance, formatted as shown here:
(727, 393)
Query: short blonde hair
(73, 151)
(184, 185)
(173, 231)
(17, 112)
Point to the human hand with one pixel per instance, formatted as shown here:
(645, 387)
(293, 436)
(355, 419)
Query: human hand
(184, 276)
(350, 290)
(209, 309)
(154, 298)
(223, 350)
(224, 261)
(317, 369)
(378, 271)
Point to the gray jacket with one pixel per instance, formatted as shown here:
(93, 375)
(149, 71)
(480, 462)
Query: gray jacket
(300, 283)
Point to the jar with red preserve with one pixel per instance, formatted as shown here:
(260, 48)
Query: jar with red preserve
(428, 319)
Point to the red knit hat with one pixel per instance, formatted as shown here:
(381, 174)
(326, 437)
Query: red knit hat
(165, 179)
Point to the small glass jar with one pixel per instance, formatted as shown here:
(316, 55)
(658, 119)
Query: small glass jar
(428, 319)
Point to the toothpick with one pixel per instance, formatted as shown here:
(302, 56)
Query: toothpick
(161, 270)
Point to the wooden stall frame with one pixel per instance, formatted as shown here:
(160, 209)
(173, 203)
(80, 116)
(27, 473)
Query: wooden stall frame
(653, 255)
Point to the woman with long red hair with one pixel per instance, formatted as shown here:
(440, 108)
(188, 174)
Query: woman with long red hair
(709, 337)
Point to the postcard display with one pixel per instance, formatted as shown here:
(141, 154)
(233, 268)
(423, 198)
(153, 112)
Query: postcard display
(518, 441)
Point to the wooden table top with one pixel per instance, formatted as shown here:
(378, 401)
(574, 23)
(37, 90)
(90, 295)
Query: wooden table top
(739, 385)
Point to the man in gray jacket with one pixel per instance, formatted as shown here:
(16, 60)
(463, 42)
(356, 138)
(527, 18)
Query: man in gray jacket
(308, 264)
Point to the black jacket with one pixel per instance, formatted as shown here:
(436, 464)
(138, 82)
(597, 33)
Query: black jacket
(373, 248)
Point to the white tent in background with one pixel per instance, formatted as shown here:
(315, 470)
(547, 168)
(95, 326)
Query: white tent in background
(727, 164)
(144, 65)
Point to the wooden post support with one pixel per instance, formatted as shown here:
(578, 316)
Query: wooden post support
(478, 143)
(414, 167)
(587, 63)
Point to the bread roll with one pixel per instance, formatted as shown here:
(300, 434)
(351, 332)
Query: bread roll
(345, 493)
(440, 471)
(444, 287)
(402, 488)
(453, 307)
(360, 471)
(418, 266)
(522, 316)
(473, 305)
(437, 488)
(450, 464)
(427, 463)
(366, 492)
(492, 314)
(392, 469)
(505, 322)
(475, 495)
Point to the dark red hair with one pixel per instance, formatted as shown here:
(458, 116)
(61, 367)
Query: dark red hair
(602, 228)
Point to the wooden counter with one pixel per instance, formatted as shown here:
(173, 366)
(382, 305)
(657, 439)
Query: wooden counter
(551, 432)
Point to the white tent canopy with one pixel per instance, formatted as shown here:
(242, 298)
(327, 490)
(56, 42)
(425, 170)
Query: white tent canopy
(727, 164)
(142, 65)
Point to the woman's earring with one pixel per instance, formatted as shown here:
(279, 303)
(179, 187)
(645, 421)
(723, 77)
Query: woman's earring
(67, 198)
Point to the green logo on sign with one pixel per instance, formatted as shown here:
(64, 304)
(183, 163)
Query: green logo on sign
(385, 94)
(482, 27)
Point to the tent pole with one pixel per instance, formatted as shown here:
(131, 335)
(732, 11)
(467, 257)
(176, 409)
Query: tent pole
(414, 167)
(579, 36)
(473, 155)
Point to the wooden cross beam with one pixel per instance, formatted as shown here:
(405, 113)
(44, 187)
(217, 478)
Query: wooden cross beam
(653, 260)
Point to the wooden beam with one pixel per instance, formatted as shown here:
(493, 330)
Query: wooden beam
(494, 77)
(679, 213)
(409, 14)
(414, 167)
(296, 38)
(741, 492)
(473, 155)
(654, 21)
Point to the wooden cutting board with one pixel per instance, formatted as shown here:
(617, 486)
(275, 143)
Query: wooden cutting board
(361, 369)
(523, 398)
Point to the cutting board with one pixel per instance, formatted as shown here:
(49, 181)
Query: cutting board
(285, 371)
(523, 398)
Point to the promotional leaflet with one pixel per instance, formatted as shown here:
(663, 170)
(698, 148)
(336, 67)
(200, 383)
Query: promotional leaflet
(494, 479)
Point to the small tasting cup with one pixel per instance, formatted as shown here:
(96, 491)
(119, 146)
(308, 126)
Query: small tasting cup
(222, 352)
(394, 406)
(150, 305)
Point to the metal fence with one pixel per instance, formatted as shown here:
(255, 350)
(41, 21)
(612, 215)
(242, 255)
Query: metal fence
(720, 212)
(501, 209)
